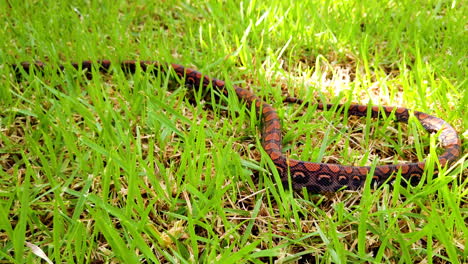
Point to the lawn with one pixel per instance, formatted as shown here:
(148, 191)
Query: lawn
(124, 168)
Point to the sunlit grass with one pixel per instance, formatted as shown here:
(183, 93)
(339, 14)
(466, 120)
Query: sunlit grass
(127, 169)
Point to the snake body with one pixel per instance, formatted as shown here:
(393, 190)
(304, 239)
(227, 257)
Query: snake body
(316, 177)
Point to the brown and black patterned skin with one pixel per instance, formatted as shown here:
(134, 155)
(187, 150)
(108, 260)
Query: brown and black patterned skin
(316, 177)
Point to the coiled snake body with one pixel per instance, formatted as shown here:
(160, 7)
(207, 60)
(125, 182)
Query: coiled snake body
(316, 177)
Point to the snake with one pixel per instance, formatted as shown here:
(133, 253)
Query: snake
(316, 177)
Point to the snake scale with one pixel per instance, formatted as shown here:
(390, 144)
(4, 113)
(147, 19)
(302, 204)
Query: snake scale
(316, 177)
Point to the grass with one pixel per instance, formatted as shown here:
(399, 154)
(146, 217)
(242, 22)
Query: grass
(129, 169)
